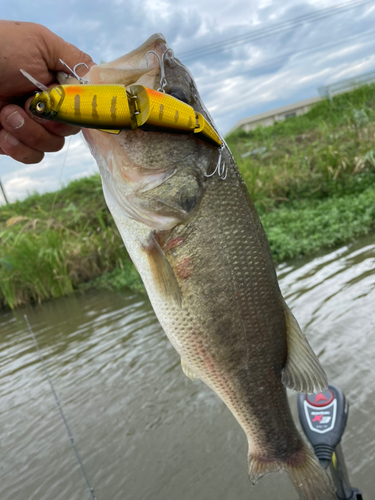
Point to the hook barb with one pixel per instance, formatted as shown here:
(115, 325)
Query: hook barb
(163, 80)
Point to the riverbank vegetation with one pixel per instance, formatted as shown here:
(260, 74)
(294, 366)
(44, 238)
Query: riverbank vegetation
(53, 243)
(312, 178)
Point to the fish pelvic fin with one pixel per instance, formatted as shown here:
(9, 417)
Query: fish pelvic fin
(308, 477)
(303, 371)
(188, 371)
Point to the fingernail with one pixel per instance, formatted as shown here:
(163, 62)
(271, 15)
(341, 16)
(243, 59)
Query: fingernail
(15, 120)
(11, 140)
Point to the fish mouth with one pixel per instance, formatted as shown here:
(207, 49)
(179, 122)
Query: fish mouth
(130, 69)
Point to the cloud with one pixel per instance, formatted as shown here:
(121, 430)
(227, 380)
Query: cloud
(20, 185)
(57, 169)
(241, 80)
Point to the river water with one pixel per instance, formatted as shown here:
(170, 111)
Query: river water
(146, 432)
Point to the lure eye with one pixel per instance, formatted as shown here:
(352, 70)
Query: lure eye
(40, 107)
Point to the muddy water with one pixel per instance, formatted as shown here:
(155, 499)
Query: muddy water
(143, 429)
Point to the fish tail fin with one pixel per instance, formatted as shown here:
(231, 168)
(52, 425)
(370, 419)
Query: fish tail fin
(259, 468)
(308, 477)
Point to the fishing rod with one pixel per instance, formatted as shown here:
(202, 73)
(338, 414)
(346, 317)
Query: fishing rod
(323, 418)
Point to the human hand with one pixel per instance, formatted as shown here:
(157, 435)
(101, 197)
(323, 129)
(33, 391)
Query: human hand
(35, 49)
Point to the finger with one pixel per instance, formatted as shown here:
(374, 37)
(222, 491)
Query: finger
(22, 47)
(60, 129)
(56, 128)
(27, 131)
(57, 48)
(12, 147)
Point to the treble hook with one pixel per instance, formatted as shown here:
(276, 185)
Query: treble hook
(73, 71)
(163, 80)
(221, 168)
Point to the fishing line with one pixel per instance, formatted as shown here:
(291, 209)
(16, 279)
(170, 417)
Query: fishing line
(60, 408)
(62, 169)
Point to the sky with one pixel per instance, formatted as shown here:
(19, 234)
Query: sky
(269, 56)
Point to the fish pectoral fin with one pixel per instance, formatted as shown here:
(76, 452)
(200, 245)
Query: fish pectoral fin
(303, 371)
(163, 276)
(188, 371)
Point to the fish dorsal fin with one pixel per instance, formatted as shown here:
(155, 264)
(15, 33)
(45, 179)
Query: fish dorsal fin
(303, 371)
(188, 371)
(163, 276)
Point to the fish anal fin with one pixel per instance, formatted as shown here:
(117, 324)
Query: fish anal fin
(303, 371)
(188, 371)
(163, 276)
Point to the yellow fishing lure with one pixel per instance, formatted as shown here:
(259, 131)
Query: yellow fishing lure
(112, 108)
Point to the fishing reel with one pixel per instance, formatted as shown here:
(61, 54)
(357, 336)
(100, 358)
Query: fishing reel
(323, 418)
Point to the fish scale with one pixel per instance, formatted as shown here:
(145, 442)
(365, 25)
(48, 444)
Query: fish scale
(199, 246)
(247, 307)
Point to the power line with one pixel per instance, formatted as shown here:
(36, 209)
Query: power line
(236, 103)
(319, 47)
(271, 30)
(276, 28)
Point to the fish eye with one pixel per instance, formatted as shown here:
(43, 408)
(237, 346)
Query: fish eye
(40, 107)
(180, 95)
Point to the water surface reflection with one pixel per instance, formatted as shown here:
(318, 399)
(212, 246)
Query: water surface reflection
(145, 431)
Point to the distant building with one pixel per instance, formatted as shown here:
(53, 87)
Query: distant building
(275, 115)
(300, 108)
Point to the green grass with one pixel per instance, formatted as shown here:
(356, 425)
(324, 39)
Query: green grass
(312, 179)
(312, 156)
(50, 244)
(305, 227)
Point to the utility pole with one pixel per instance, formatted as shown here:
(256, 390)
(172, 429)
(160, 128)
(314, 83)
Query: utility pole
(2, 190)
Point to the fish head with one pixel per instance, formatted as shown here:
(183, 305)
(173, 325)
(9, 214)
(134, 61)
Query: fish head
(142, 67)
(146, 174)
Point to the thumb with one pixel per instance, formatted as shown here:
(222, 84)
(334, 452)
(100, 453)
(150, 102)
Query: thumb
(57, 48)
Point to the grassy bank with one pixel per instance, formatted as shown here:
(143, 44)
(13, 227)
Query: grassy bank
(53, 243)
(313, 156)
(312, 179)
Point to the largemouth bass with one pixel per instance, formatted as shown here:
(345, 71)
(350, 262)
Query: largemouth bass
(193, 233)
